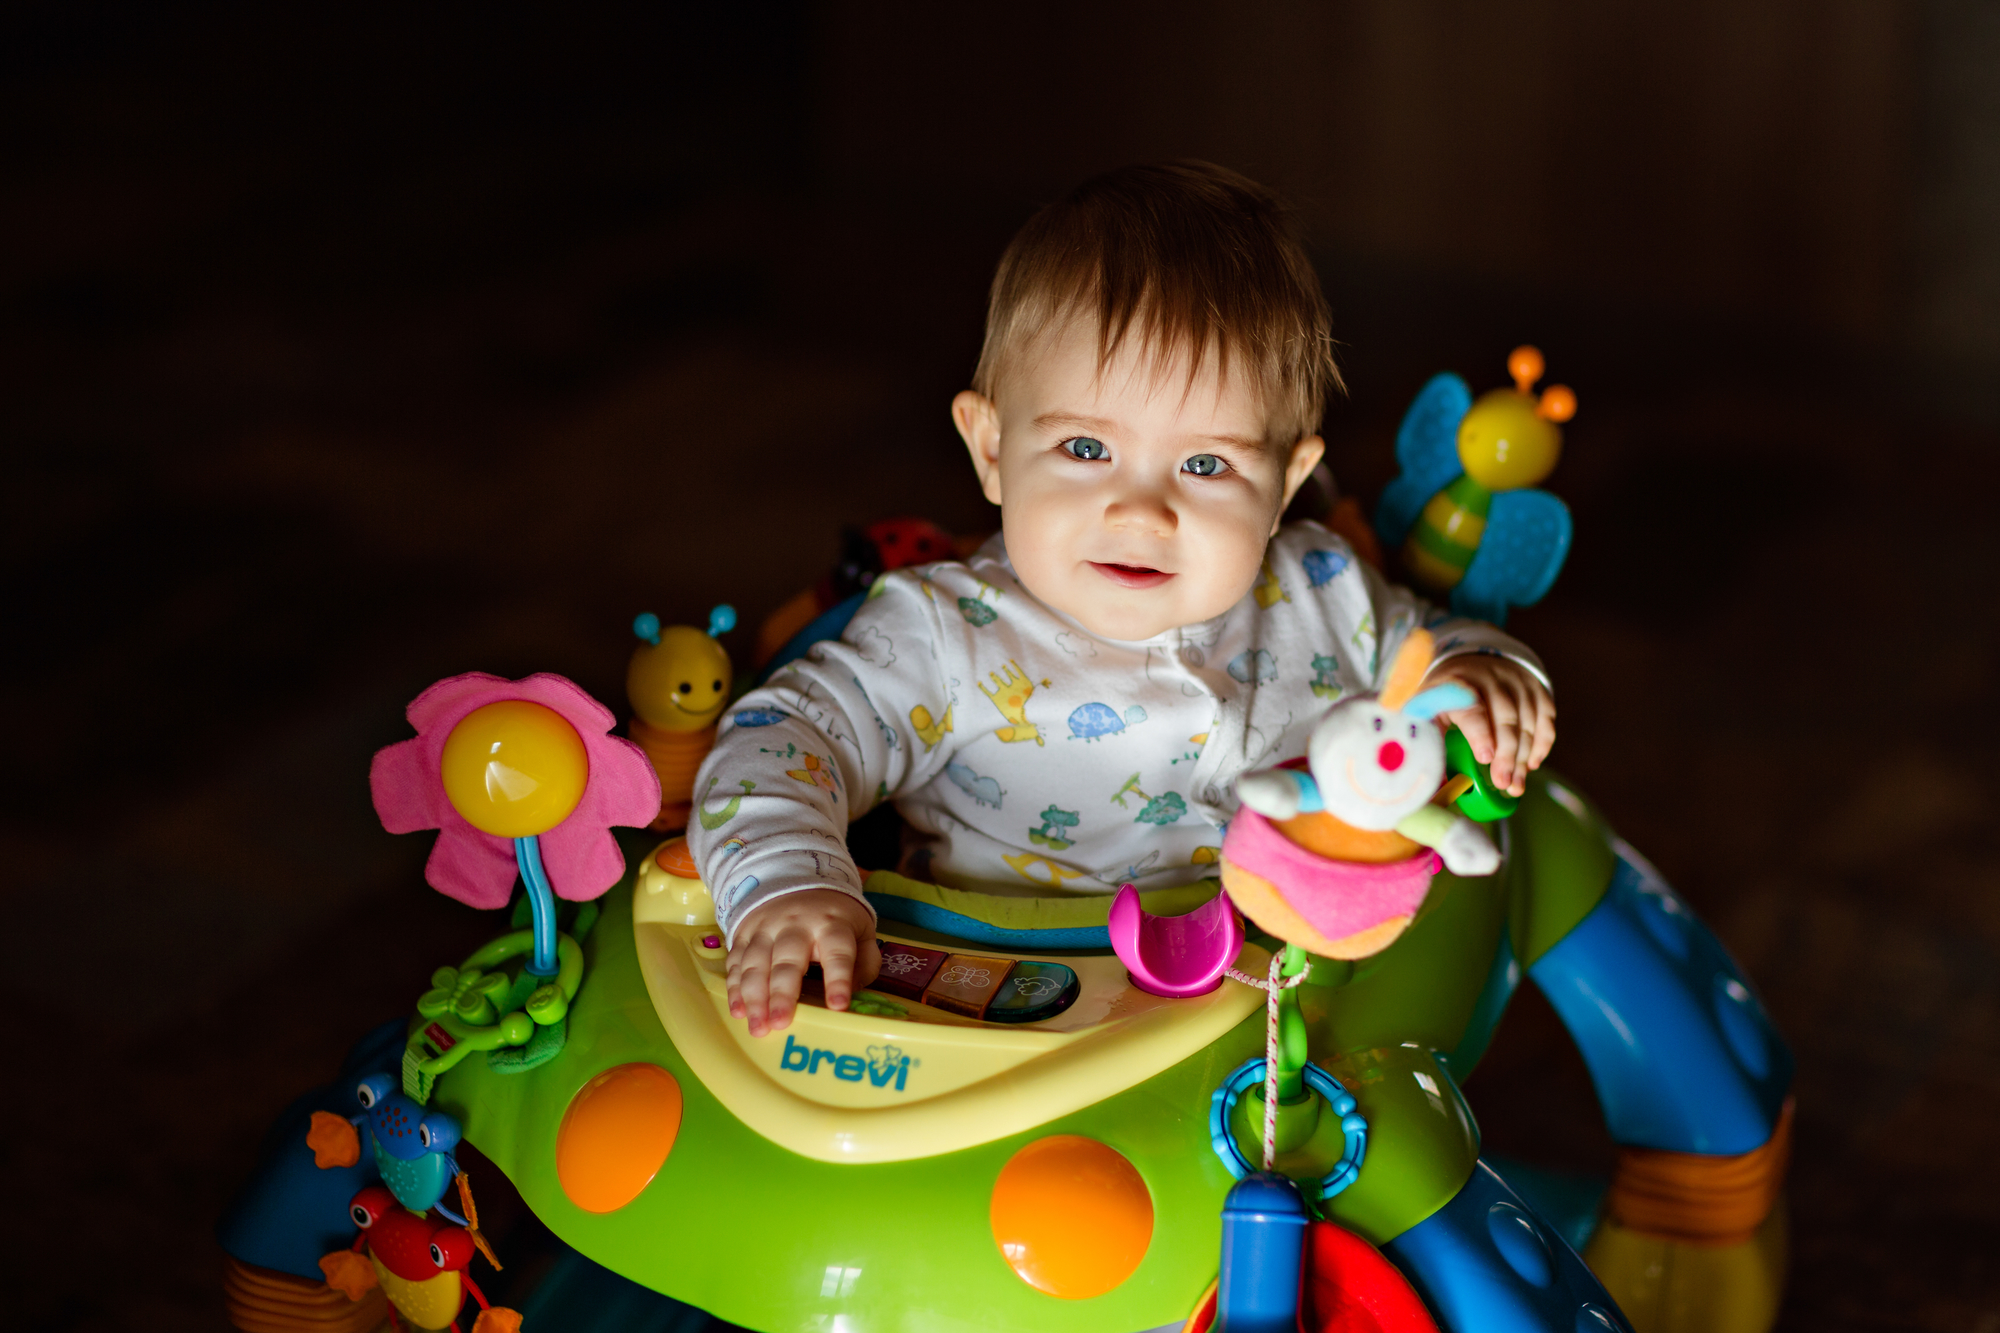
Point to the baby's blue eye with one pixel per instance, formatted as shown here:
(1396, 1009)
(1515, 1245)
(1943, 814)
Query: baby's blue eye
(1205, 465)
(1087, 449)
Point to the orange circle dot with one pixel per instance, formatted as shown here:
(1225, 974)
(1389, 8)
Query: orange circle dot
(1072, 1217)
(616, 1135)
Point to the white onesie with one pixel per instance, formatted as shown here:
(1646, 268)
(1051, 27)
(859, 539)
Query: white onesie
(1028, 755)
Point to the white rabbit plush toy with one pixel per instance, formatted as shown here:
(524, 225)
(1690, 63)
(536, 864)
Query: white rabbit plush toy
(1376, 764)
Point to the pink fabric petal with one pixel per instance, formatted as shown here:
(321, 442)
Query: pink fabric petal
(406, 790)
(588, 716)
(476, 868)
(583, 860)
(444, 703)
(623, 782)
(625, 792)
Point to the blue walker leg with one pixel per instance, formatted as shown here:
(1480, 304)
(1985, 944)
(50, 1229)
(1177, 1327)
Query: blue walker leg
(1487, 1263)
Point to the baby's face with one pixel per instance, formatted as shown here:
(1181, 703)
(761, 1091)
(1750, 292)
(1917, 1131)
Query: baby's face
(1131, 501)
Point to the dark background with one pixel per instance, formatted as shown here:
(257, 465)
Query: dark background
(344, 350)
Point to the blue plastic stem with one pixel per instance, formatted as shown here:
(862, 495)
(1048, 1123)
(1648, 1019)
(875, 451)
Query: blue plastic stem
(541, 902)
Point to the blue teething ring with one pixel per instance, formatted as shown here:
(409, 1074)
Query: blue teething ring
(1353, 1126)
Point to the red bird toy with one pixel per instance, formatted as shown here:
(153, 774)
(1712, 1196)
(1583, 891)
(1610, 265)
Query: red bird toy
(418, 1263)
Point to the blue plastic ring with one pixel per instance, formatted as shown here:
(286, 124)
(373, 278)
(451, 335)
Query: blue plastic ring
(1353, 1126)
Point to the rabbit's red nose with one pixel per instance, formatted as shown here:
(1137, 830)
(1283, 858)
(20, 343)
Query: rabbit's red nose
(1390, 756)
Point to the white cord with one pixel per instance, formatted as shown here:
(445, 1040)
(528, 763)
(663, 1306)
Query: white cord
(1271, 986)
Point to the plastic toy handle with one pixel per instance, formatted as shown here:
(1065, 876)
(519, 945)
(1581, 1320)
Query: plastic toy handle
(1486, 801)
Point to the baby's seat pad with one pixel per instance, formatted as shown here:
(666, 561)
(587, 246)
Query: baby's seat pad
(919, 1065)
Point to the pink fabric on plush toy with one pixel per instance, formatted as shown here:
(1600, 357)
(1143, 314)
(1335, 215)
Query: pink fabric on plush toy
(478, 868)
(1338, 899)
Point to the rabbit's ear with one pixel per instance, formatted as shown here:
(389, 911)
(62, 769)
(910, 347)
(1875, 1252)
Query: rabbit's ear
(1448, 698)
(1406, 674)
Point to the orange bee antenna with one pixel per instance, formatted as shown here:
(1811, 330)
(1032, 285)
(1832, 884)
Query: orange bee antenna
(1558, 403)
(1524, 363)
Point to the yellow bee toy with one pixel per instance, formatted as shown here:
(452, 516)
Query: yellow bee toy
(677, 683)
(1469, 526)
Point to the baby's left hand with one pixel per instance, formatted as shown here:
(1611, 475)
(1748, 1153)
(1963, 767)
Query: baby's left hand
(1513, 724)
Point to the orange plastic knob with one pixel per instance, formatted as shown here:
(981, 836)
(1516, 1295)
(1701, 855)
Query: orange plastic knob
(616, 1135)
(1072, 1217)
(1558, 403)
(675, 858)
(1524, 363)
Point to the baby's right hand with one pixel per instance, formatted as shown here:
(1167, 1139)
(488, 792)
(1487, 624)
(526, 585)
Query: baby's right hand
(779, 940)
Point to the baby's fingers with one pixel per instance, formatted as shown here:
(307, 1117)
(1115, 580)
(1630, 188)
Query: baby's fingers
(1478, 729)
(750, 982)
(789, 957)
(1507, 772)
(836, 964)
(1545, 727)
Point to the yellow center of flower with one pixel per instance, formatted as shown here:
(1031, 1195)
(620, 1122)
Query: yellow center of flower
(514, 768)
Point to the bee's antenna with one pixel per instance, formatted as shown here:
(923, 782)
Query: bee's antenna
(1524, 363)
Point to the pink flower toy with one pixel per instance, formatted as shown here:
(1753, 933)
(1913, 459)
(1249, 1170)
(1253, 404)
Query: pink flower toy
(518, 776)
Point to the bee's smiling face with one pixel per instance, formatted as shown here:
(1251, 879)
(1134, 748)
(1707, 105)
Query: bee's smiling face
(681, 683)
(1375, 767)
(700, 699)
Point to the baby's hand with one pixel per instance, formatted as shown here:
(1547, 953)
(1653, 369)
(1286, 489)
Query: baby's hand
(1512, 725)
(779, 940)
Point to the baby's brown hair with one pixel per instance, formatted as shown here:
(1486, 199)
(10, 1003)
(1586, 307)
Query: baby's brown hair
(1199, 258)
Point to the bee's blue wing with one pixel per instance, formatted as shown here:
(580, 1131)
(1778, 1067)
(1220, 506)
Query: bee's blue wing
(1427, 451)
(1526, 542)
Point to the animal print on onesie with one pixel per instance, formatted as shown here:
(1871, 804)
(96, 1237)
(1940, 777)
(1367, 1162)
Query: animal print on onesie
(1029, 756)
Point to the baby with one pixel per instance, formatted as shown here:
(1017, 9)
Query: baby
(1069, 709)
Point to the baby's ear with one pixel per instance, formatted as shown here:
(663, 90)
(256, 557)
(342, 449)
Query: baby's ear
(978, 422)
(1299, 465)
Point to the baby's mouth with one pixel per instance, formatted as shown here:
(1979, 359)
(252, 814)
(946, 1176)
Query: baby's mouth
(1131, 576)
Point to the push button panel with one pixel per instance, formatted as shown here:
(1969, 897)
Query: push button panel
(1032, 991)
(965, 983)
(996, 990)
(906, 970)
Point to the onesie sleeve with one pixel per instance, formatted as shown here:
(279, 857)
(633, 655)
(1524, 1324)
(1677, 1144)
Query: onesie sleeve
(1363, 605)
(1400, 610)
(823, 742)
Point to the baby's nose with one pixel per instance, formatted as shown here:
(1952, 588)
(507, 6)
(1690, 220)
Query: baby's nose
(1390, 756)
